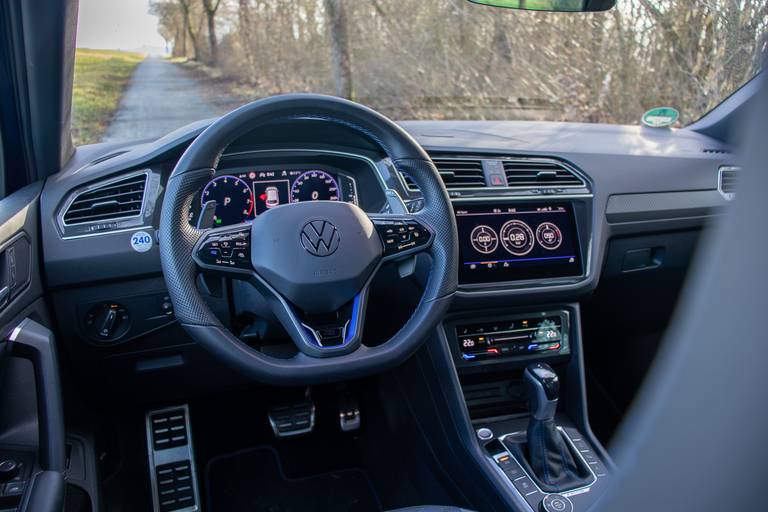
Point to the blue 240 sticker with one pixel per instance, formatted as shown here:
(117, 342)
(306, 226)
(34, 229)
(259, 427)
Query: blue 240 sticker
(141, 241)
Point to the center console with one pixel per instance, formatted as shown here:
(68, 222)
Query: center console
(535, 435)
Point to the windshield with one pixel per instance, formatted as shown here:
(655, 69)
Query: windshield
(144, 68)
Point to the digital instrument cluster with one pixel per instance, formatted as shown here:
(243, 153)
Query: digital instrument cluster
(508, 242)
(242, 195)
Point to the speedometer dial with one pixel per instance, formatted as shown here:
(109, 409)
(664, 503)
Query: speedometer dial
(234, 199)
(314, 186)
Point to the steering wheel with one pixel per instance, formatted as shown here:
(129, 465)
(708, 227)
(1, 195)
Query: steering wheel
(314, 261)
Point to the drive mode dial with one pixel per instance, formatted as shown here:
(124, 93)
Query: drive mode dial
(517, 237)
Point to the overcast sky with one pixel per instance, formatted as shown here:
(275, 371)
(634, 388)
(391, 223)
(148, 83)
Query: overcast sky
(117, 24)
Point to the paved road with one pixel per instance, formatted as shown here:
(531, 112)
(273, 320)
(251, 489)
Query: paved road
(160, 97)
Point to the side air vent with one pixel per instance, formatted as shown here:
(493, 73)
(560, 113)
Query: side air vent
(456, 173)
(716, 151)
(533, 173)
(727, 180)
(112, 200)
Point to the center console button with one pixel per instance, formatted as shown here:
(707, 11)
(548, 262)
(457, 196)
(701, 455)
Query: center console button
(556, 503)
(524, 485)
(484, 434)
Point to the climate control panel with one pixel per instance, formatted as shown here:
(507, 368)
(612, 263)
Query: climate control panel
(522, 336)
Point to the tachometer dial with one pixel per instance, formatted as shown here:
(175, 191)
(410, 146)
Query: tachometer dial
(314, 186)
(234, 200)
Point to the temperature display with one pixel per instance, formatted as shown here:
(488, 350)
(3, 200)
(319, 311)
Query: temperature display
(520, 336)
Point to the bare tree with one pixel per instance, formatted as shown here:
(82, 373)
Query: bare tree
(336, 16)
(171, 25)
(210, 7)
(193, 24)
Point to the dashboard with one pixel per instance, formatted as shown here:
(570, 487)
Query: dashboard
(528, 240)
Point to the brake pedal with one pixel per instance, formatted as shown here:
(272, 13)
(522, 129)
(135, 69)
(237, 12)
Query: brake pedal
(293, 420)
(171, 460)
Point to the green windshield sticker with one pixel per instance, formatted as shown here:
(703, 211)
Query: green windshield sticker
(661, 117)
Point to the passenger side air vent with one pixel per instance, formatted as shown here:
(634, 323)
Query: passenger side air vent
(727, 181)
(534, 174)
(455, 172)
(113, 200)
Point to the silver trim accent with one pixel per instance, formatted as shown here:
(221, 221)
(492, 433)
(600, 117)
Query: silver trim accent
(319, 340)
(109, 232)
(728, 196)
(17, 330)
(542, 197)
(170, 455)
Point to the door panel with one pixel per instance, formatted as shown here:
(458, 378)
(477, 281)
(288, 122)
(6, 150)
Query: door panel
(31, 412)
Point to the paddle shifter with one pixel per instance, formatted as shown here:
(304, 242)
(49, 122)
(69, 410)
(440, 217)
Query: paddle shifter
(548, 454)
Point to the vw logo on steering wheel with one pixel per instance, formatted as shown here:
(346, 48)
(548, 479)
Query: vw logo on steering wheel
(320, 238)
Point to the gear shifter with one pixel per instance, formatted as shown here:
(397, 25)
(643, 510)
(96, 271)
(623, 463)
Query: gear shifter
(548, 454)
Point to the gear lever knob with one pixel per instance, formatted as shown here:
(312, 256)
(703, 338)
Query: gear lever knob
(543, 388)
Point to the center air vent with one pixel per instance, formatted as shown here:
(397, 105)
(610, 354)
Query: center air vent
(113, 200)
(456, 173)
(532, 173)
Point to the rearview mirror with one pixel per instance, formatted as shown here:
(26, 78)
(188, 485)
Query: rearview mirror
(551, 5)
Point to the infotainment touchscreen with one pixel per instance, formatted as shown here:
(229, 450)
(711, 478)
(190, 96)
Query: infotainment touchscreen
(511, 242)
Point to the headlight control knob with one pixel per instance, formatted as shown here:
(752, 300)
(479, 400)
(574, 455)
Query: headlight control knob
(107, 322)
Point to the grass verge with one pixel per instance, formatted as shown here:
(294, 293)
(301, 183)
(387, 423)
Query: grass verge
(100, 78)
